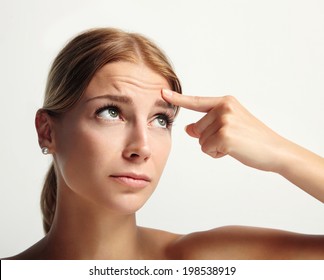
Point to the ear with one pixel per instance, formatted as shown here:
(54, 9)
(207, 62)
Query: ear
(45, 129)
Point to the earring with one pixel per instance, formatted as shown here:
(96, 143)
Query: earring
(45, 150)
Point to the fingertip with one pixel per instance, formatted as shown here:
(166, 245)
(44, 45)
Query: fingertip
(190, 130)
(167, 93)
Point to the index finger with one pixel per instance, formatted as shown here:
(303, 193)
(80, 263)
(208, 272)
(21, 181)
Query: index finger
(196, 103)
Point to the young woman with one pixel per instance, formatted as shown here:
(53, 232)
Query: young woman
(110, 101)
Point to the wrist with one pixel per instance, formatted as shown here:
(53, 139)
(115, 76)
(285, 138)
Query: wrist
(287, 156)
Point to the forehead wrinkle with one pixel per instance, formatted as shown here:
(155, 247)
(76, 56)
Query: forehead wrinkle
(138, 83)
(116, 82)
(159, 103)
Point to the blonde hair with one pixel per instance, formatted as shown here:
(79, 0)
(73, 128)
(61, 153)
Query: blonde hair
(72, 71)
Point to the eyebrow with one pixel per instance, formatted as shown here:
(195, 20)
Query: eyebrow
(117, 98)
(127, 100)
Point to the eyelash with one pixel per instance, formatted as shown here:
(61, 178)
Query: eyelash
(165, 115)
(108, 106)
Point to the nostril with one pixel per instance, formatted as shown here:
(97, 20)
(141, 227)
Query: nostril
(137, 151)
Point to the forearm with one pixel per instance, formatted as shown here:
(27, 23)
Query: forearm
(303, 168)
(228, 128)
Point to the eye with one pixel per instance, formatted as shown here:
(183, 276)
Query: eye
(162, 121)
(108, 113)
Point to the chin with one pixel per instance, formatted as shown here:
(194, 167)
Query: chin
(127, 209)
(128, 204)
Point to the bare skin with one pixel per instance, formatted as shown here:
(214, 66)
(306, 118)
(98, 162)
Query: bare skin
(227, 243)
(229, 129)
(99, 155)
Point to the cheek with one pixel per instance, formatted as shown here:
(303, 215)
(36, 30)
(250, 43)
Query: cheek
(83, 152)
(161, 146)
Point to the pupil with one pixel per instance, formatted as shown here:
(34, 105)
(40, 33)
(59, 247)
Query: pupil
(113, 113)
(162, 122)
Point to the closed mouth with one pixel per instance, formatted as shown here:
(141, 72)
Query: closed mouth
(132, 179)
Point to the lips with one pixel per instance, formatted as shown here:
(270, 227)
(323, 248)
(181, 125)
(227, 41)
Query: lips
(132, 179)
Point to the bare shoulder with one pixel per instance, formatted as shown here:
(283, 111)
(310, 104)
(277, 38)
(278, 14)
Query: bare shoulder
(158, 244)
(32, 253)
(237, 242)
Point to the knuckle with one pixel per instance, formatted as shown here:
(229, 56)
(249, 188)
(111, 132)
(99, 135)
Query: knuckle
(205, 149)
(225, 140)
(230, 98)
(228, 104)
(224, 134)
(225, 120)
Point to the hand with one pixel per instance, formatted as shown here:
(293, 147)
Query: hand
(229, 129)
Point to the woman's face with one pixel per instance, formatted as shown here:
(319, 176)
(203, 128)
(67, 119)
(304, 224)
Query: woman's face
(111, 148)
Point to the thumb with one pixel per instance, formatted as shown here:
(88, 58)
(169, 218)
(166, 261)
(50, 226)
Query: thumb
(190, 129)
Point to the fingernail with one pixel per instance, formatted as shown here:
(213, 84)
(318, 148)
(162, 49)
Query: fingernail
(167, 92)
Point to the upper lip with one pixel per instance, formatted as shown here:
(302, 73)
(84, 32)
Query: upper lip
(133, 176)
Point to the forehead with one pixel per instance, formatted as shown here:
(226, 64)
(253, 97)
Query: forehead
(126, 74)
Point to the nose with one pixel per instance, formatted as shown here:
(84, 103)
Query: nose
(137, 148)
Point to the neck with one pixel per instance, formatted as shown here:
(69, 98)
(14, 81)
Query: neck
(82, 230)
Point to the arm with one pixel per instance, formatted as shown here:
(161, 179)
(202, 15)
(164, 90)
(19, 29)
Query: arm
(304, 169)
(237, 242)
(229, 129)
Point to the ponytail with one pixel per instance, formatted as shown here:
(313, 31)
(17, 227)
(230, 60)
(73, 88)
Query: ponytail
(48, 198)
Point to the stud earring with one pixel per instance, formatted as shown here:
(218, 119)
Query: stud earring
(45, 151)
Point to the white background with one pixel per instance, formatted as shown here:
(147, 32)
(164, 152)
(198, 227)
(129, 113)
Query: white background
(269, 54)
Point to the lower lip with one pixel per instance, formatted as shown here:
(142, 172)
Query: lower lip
(131, 182)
